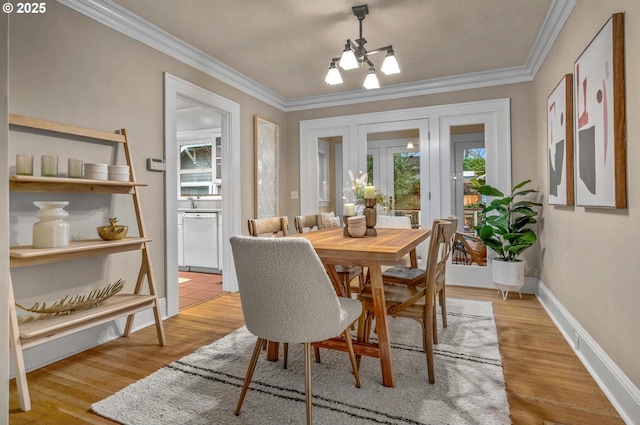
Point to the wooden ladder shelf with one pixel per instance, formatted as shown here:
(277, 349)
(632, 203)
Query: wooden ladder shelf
(30, 334)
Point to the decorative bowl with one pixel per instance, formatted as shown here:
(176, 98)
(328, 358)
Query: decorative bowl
(112, 233)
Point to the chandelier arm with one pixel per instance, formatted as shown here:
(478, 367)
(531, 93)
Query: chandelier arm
(380, 49)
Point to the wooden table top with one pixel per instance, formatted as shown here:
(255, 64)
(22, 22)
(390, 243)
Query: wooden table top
(387, 248)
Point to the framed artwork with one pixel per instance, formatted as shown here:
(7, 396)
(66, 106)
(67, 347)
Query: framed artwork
(266, 149)
(560, 142)
(601, 176)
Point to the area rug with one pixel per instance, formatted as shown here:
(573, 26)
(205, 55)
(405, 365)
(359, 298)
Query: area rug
(203, 387)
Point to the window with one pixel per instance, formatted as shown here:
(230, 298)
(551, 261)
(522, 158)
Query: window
(200, 167)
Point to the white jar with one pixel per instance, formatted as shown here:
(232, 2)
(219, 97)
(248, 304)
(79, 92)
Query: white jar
(51, 231)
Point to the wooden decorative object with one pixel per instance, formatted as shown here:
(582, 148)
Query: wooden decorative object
(68, 305)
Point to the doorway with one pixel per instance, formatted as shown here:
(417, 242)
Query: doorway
(175, 91)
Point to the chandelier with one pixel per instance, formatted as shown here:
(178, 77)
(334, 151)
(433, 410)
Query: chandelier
(355, 55)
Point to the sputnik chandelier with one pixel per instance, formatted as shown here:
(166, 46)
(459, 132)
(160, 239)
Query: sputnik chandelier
(356, 56)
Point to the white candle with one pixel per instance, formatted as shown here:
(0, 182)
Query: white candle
(349, 209)
(369, 192)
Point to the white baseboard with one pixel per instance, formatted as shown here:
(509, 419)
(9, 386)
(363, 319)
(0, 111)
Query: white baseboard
(50, 352)
(620, 391)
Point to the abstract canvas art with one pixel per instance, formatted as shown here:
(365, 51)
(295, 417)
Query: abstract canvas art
(560, 142)
(267, 170)
(600, 115)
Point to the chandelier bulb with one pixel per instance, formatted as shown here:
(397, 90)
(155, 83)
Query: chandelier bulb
(371, 82)
(333, 76)
(348, 59)
(390, 64)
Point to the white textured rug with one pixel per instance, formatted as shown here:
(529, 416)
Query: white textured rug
(203, 388)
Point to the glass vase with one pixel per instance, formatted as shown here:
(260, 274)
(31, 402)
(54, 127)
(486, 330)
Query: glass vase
(51, 231)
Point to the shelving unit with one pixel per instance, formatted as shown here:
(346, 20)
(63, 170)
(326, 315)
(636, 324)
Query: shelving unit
(36, 332)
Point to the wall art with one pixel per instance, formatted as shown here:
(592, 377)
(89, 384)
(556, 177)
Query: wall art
(601, 177)
(267, 169)
(560, 143)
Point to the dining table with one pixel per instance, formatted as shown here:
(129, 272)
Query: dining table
(387, 248)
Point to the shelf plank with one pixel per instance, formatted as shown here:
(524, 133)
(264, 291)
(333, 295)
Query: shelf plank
(41, 124)
(67, 185)
(21, 256)
(36, 332)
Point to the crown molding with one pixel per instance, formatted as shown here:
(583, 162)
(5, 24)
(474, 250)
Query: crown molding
(125, 22)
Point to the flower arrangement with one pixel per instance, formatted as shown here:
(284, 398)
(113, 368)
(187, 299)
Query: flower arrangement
(354, 189)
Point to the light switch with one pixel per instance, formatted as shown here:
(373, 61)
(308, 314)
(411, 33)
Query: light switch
(294, 194)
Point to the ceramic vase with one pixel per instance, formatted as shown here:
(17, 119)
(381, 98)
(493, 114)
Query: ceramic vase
(508, 276)
(51, 231)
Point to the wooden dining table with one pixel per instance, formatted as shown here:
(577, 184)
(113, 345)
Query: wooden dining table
(387, 248)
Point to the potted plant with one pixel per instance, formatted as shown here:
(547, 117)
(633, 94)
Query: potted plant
(507, 233)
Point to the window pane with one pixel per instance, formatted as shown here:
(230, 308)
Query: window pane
(197, 184)
(406, 180)
(194, 157)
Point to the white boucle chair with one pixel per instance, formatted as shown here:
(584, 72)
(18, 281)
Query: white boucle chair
(287, 297)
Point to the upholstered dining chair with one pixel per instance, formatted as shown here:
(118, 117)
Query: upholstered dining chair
(310, 222)
(415, 302)
(287, 297)
(406, 275)
(272, 226)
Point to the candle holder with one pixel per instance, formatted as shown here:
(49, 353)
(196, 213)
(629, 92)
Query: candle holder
(345, 221)
(371, 216)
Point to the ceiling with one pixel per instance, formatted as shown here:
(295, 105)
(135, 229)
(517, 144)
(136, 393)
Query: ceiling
(286, 46)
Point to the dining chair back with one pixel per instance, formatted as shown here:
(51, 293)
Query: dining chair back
(309, 223)
(416, 302)
(304, 223)
(287, 297)
(271, 226)
(393, 222)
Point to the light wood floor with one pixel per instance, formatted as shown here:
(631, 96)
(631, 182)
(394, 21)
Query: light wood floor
(546, 383)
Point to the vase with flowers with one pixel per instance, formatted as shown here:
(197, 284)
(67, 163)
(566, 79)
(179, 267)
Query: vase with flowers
(354, 194)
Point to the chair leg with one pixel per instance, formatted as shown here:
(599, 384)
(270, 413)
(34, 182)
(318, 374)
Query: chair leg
(250, 369)
(352, 356)
(443, 306)
(435, 324)
(307, 362)
(285, 353)
(428, 334)
(316, 352)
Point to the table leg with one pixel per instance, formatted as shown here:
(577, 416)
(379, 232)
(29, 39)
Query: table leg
(413, 256)
(273, 351)
(335, 279)
(380, 312)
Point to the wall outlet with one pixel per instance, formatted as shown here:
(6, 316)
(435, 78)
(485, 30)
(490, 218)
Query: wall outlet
(294, 194)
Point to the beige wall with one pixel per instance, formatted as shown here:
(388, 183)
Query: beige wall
(66, 67)
(589, 256)
(4, 223)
